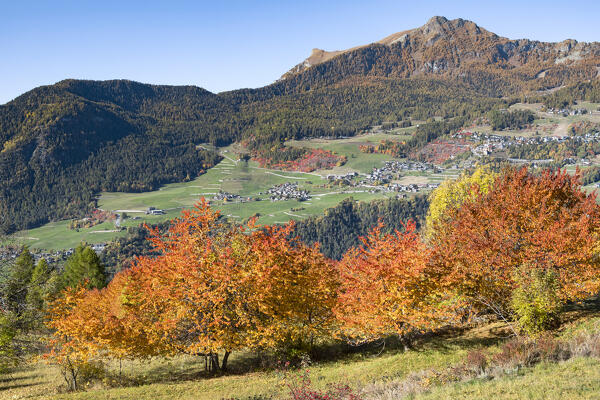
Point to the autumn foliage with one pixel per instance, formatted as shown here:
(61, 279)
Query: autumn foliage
(387, 287)
(525, 222)
(213, 288)
(311, 160)
(516, 243)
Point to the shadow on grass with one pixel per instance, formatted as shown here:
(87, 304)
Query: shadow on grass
(586, 308)
(444, 341)
(17, 386)
(8, 379)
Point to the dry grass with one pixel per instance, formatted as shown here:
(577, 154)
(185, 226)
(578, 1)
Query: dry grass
(434, 369)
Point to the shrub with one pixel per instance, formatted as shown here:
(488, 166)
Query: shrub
(518, 352)
(551, 349)
(300, 387)
(585, 345)
(524, 352)
(535, 302)
(476, 361)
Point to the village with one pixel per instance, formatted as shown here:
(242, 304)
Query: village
(52, 257)
(394, 169)
(288, 191)
(227, 197)
(491, 143)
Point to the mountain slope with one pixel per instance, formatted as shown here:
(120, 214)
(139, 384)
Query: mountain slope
(62, 144)
(461, 49)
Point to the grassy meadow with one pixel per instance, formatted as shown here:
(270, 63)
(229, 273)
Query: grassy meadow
(371, 371)
(246, 179)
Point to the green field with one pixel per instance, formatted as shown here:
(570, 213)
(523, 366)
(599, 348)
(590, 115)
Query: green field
(357, 161)
(246, 179)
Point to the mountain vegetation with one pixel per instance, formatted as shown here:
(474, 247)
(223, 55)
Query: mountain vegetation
(520, 251)
(62, 144)
(341, 227)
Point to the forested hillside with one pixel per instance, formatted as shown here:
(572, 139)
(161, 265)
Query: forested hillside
(62, 144)
(341, 227)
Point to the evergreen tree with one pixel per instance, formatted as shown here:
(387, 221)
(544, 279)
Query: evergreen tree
(18, 282)
(7, 341)
(36, 295)
(84, 266)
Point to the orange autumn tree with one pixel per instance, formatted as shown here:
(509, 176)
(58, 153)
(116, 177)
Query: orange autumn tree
(387, 287)
(218, 288)
(191, 295)
(526, 225)
(293, 287)
(67, 348)
(92, 324)
(214, 288)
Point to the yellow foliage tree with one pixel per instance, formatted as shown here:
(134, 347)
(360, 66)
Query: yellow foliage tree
(453, 193)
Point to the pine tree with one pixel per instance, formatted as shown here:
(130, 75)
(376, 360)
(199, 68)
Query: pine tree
(84, 267)
(18, 282)
(36, 295)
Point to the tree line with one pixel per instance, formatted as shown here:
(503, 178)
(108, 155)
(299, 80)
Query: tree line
(212, 290)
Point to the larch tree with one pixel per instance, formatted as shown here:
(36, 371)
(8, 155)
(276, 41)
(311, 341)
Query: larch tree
(37, 293)
(451, 194)
(84, 267)
(17, 285)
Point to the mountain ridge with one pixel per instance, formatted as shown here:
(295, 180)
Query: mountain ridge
(469, 43)
(61, 144)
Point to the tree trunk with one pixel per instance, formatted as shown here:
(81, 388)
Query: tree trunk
(214, 363)
(73, 380)
(405, 340)
(224, 362)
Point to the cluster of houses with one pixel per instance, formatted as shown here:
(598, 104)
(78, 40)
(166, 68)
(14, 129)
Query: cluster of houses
(230, 197)
(12, 252)
(392, 170)
(400, 188)
(566, 111)
(413, 187)
(489, 143)
(345, 179)
(348, 176)
(155, 211)
(288, 191)
(52, 257)
(408, 166)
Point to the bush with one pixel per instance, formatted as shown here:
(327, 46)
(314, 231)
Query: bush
(524, 352)
(585, 346)
(535, 302)
(476, 361)
(300, 387)
(518, 352)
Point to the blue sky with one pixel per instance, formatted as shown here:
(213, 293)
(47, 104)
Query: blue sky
(224, 45)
